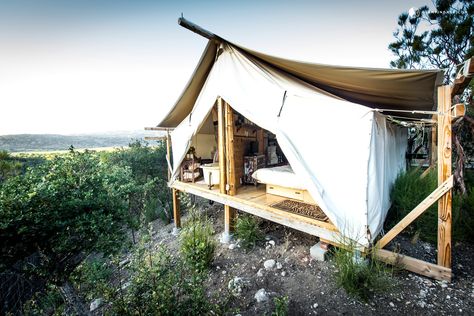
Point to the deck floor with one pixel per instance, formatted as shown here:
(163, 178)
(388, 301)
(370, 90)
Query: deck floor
(255, 196)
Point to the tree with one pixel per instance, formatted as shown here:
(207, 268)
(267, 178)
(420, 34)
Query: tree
(54, 216)
(441, 38)
(9, 166)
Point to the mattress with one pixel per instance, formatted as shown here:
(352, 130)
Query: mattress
(281, 176)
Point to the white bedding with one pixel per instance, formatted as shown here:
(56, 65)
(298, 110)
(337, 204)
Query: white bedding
(282, 176)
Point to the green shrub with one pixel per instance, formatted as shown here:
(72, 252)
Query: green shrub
(247, 230)
(281, 306)
(47, 302)
(360, 277)
(197, 244)
(409, 190)
(160, 285)
(91, 277)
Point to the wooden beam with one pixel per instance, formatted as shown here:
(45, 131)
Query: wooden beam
(414, 265)
(464, 77)
(458, 110)
(198, 30)
(416, 212)
(298, 222)
(159, 128)
(221, 144)
(229, 148)
(444, 172)
(168, 153)
(176, 210)
(231, 186)
(434, 142)
(155, 137)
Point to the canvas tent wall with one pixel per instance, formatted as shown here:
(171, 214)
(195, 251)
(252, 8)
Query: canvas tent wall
(347, 154)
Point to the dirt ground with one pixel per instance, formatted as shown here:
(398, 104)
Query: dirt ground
(310, 285)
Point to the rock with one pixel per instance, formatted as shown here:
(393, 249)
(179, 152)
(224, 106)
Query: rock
(269, 264)
(260, 273)
(95, 304)
(272, 243)
(422, 293)
(124, 262)
(232, 246)
(236, 285)
(315, 305)
(422, 304)
(283, 273)
(279, 266)
(218, 268)
(267, 247)
(391, 304)
(261, 296)
(224, 272)
(267, 238)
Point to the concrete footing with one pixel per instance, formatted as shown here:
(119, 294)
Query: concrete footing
(175, 231)
(225, 238)
(318, 252)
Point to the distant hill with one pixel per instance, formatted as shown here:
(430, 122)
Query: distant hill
(50, 142)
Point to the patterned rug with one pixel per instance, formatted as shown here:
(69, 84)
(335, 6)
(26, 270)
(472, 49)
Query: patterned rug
(300, 208)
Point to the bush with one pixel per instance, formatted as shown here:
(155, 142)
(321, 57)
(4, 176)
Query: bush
(247, 230)
(409, 190)
(160, 285)
(91, 277)
(197, 243)
(281, 306)
(360, 277)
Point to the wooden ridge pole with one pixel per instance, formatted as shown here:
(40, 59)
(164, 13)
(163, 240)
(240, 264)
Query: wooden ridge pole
(444, 172)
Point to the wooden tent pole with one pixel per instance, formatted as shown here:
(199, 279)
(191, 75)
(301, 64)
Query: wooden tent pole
(221, 144)
(444, 172)
(176, 210)
(230, 158)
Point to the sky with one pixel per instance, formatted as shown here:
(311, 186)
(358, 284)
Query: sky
(84, 66)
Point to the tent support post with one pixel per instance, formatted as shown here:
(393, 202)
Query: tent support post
(168, 152)
(444, 172)
(231, 186)
(176, 210)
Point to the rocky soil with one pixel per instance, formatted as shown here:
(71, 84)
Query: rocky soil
(281, 266)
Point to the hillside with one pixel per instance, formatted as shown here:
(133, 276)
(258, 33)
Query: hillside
(50, 142)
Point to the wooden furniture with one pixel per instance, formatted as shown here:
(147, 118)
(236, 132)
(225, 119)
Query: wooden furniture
(190, 171)
(252, 163)
(295, 194)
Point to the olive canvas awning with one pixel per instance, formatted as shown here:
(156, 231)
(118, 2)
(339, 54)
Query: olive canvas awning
(394, 89)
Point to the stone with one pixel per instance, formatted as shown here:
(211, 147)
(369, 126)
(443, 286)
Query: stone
(225, 238)
(318, 253)
(261, 296)
(125, 285)
(272, 243)
(232, 246)
(175, 231)
(124, 262)
(283, 273)
(444, 285)
(95, 304)
(260, 273)
(224, 272)
(279, 266)
(391, 304)
(236, 285)
(315, 305)
(269, 264)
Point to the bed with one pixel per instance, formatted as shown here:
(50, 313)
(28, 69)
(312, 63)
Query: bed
(283, 181)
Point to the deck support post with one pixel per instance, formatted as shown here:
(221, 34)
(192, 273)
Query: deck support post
(176, 212)
(444, 172)
(168, 153)
(231, 184)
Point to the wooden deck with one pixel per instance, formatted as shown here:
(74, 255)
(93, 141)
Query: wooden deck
(256, 201)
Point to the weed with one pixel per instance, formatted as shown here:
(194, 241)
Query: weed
(281, 306)
(360, 277)
(247, 230)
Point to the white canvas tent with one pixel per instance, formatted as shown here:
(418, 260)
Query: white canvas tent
(327, 121)
(347, 154)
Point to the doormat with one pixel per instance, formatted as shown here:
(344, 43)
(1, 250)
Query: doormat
(300, 208)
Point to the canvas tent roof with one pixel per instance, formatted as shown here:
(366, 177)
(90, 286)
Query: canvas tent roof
(376, 88)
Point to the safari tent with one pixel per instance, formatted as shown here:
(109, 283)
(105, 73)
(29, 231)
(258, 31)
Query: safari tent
(310, 146)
